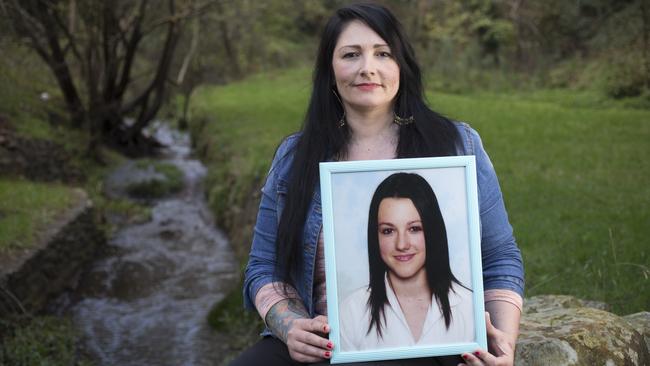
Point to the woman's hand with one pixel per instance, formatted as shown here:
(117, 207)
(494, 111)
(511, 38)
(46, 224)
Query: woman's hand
(305, 338)
(500, 345)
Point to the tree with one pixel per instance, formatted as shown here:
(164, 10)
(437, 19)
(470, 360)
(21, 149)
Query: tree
(94, 47)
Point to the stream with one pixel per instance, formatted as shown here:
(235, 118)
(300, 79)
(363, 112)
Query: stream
(146, 302)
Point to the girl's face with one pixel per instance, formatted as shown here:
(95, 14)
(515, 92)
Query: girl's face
(401, 238)
(367, 75)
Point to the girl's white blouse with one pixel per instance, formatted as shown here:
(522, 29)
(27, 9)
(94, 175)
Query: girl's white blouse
(354, 319)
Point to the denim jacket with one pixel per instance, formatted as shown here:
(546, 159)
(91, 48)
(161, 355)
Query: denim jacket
(502, 264)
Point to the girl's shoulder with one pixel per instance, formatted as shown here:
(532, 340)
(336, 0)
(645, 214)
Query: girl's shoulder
(359, 295)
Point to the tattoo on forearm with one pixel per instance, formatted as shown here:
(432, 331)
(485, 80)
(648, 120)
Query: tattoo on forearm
(282, 315)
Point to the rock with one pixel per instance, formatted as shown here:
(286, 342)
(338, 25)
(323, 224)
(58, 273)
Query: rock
(561, 330)
(143, 180)
(596, 305)
(641, 322)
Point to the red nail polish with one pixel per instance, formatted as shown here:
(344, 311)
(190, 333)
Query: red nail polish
(330, 345)
(327, 354)
(465, 357)
(324, 328)
(477, 353)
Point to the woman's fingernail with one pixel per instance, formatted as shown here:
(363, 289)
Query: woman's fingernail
(477, 353)
(330, 345)
(465, 357)
(324, 328)
(327, 354)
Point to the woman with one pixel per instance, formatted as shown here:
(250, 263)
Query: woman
(413, 298)
(366, 103)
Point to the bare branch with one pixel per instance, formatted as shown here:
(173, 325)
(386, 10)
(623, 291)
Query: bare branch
(162, 70)
(72, 42)
(194, 44)
(131, 46)
(188, 11)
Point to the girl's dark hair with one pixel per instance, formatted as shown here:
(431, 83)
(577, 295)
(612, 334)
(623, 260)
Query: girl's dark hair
(439, 275)
(322, 138)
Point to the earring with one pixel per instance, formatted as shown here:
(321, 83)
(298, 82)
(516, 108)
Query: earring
(342, 121)
(403, 121)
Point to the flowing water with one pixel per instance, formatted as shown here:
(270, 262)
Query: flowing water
(146, 302)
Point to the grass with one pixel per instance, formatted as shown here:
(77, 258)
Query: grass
(577, 190)
(44, 340)
(236, 140)
(26, 208)
(573, 168)
(227, 315)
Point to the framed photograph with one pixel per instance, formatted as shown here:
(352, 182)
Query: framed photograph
(403, 258)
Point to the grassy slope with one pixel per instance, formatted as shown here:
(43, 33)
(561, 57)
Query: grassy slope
(26, 208)
(237, 129)
(573, 172)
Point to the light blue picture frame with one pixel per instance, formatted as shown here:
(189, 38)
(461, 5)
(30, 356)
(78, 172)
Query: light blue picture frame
(350, 184)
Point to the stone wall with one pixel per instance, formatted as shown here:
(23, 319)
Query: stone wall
(30, 278)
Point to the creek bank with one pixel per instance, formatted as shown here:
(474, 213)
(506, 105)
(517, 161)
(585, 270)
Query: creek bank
(35, 159)
(31, 278)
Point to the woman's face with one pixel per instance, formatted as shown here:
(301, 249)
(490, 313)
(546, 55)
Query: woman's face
(367, 75)
(401, 237)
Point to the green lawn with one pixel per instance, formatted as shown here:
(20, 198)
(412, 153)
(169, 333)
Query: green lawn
(574, 172)
(26, 208)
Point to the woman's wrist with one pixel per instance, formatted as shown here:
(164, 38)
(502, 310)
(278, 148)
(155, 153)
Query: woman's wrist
(281, 316)
(505, 316)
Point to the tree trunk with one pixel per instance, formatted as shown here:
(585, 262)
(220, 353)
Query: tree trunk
(231, 51)
(645, 20)
(93, 46)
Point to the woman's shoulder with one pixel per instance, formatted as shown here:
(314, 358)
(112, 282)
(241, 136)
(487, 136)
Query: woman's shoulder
(287, 146)
(284, 154)
(470, 140)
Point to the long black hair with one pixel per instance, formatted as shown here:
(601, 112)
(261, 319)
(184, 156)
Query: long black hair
(322, 138)
(439, 275)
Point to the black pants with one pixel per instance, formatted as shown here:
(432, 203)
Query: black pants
(273, 352)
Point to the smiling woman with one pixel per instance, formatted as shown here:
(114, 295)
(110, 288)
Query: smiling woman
(367, 76)
(413, 297)
(366, 103)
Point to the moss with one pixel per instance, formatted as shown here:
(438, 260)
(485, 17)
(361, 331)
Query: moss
(230, 314)
(156, 188)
